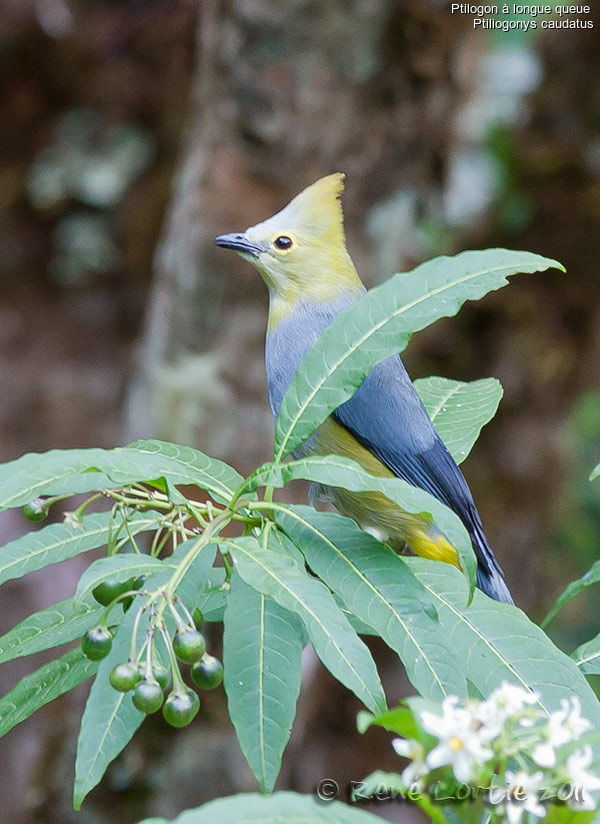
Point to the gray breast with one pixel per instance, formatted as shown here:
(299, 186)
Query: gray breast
(290, 341)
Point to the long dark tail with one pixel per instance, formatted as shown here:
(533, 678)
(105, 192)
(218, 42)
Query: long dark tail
(492, 583)
(490, 578)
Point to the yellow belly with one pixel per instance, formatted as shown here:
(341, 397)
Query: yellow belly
(372, 510)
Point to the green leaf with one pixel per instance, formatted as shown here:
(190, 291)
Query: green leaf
(587, 656)
(592, 576)
(109, 720)
(191, 588)
(595, 473)
(381, 590)
(279, 808)
(399, 720)
(58, 542)
(120, 567)
(359, 627)
(334, 640)
(380, 324)
(262, 656)
(191, 466)
(49, 627)
(459, 410)
(58, 472)
(213, 598)
(62, 472)
(563, 814)
(43, 686)
(496, 642)
(334, 470)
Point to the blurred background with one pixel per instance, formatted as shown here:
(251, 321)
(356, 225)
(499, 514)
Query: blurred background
(134, 131)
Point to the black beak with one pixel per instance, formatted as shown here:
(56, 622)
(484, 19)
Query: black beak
(239, 243)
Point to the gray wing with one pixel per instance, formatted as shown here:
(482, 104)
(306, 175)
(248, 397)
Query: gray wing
(387, 417)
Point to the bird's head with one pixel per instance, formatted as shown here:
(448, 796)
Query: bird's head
(301, 251)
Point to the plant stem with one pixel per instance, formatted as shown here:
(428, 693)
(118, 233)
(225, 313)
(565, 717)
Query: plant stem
(134, 632)
(228, 569)
(178, 682)
(168, 591)
(81, 509)
(135, 502)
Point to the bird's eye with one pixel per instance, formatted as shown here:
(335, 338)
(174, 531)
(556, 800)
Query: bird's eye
(283, 242)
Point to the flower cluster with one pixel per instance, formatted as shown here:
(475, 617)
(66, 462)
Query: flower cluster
(507, 745)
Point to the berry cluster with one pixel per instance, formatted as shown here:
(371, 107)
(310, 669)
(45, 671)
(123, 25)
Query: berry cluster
(143, 673)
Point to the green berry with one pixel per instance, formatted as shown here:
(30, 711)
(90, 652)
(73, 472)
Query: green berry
(96, 643)
(207, 673)
(181, 708)
(124, 677)
(108, 590)
(148, 696)
(138, 583)
(189, 645)
(34, 510)
(159, 673)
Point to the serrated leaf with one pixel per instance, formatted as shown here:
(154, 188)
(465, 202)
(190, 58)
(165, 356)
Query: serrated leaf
(380, 589)
(334, 640)
(58, 542)
(587, 656)
(380, 324)
(496, 642)
(279, 808)
(119, 567)
(109, 720)
(43, 686)
(262, 657)
(62, 472)
(335, 470)
(592, 576)
(49, 628)
(459, 410)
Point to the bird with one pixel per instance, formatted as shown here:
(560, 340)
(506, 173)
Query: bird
(302, 256)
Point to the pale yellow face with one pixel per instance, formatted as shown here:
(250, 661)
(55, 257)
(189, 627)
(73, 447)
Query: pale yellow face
(301, 251)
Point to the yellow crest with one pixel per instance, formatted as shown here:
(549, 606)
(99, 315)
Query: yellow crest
(301, 251)
(318, 209)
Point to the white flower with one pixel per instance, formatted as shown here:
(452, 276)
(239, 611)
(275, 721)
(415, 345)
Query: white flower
(574, 722)
(564, 725)
(72, 519)
(409, 748)
(522, 795)
(462, 739)
(487, 716)
(510, 700)
(582, 782)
